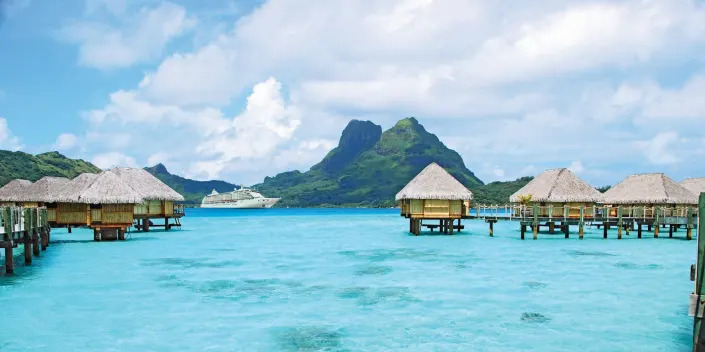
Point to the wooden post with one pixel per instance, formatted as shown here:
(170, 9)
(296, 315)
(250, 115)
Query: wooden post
(27, 249)
(411, 224)
(69, 228)
(656, 222)
(620, 224)
(698, 332)
(566, 229)
(145, 225)
(605, 227)
(689, 231)
(552, 227)
(121, 234)
(581, 229)
(638, 232)
(451, 226)
(523, 230)
(670, 231)
(9, 260)
(43, 237)
(536, 220)
(166, 224)
(491, 229)
(96, 235)
(35, 243)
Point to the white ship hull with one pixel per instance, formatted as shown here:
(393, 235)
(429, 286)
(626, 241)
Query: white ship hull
(255, 203)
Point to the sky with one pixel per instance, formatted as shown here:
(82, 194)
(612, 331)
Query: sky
(240, 90)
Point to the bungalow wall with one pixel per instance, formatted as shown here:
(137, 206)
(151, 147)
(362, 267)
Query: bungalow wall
(154, 208)
(433, 208)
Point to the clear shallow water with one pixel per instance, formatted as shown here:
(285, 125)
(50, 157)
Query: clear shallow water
(347, 280)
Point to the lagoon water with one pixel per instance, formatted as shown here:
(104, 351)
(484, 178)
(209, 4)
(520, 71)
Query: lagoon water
(347, 280)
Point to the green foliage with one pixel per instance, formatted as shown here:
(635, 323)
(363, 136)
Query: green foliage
(367, 169)
(604, 189)
(498, 192)
(193, 191)
(21, 165)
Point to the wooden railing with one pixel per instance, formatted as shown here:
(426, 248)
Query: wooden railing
(596, 212)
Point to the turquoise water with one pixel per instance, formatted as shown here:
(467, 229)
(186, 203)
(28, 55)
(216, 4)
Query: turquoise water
(347, 280)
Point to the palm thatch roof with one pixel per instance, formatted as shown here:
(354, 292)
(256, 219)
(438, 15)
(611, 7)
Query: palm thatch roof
(434, 182)
(45, 190)
(72, 192)
(150, 187)
(695, 185)
(12, 191)
(649, 189)
(558, 186)
(108, 188)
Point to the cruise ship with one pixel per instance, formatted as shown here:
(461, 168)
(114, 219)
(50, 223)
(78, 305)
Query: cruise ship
(243, 198)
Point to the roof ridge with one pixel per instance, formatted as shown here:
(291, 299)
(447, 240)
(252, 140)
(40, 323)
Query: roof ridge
(555, 183)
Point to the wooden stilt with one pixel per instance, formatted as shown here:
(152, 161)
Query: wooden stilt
(648, 228)
(670, 231)
(620, 223)
(411, 225)
(581, 231)
(491, 229)
(43, 239)
(69, 229)
(638, 232)
(166, 224)
(35, 245)
(605, 227)
(551, 227)
(536, 232)
(656, 231)
(27, 251)
(96, 235)
(450, 228)
(9, 260)
(566, 230)
(689, 234)
(619, 232)
(121, 234)
(145, 225)
(523, 230)
(459, 225)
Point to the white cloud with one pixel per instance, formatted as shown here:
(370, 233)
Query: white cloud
(138, 37)
(66, 141)
(113, 159)
(660, 150)
(304, 154)
(577, 167)
(7, 140)
(158, 158)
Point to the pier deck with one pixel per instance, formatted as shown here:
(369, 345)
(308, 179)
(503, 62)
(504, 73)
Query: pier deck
(623, 218)
(23, 226)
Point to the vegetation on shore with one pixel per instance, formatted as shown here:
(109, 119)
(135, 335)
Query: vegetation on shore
(14, 165)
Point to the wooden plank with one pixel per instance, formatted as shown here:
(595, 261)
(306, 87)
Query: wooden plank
(698, 331)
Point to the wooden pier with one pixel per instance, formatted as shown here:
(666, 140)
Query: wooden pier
(23, 226)
(559, 218)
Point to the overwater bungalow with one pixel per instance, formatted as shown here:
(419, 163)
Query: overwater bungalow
(652, 199)
(158, 198)
(434, 194)
(102, 202)
(558, 193)
(12, 191)
(43, 192)
(695, 185)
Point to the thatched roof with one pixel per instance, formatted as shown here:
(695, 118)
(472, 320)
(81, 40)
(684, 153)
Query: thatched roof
(558, 186)
(44, 190)
(72, 192)
(13, 190)
(434, 182)
(649, 189)
(150, 187)
(695, 185)
(108, 188)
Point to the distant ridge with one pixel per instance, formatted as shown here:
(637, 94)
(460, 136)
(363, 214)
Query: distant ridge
(192, 190)
(14, 165)
(368, 167)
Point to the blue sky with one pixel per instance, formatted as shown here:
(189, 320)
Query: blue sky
(239, 90)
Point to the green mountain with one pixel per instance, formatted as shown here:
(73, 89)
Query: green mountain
(498, 192)
(368, 167)
(193, 191)
(33, 167)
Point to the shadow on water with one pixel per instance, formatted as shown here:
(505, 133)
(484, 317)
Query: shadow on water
(130, 239)
(381, 254)
(368, 296)
(189, 263)
(307, 338)
(634, 266)
(576, 253)
(534, 318)
(535, 285)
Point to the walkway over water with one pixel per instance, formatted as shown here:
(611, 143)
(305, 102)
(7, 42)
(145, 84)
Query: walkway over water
(26, 226)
